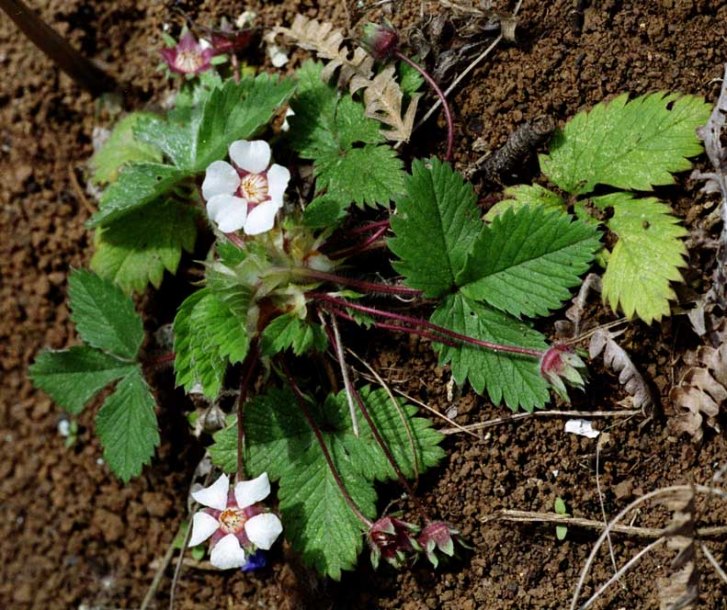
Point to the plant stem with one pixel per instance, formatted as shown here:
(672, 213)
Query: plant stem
(364, 245)
(421, 323)
(249, 366)
(442, 98)
(324, 449)
(369, 227)
(369, 287)
(84, 72)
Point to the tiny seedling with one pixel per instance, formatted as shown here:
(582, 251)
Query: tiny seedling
(561, 531)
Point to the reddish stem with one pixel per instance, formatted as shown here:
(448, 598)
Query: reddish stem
(249, 366)
(369, 227)
(442, 98)
(370, 287)
(360, 247)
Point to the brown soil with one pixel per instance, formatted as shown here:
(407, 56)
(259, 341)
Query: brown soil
(72, 536)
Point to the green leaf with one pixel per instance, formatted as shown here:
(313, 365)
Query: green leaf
(630, 145)
(436, 224)
(410, 79)
(136, 250)
(171, 135)
(365, 176)
(122, 148)
(104, 316)
(138, 185)
(289, 331)
(72, 377)
(511, 377)
(526, 261)
(210, 332)
(237, 111)
(646, 257)
(324, 212)
(127, 426)
(524, 195)
(280, 442)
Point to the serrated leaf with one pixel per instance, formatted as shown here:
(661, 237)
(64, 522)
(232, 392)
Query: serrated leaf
(127, 426)
(372, 175)
(175, 137)
(289, 331)
(435, 226)
(104, 316)
(72, 377)
(526, 194)
(525, 262)
(210, 332)
(509, 377)
(646, 257)
(138, 185)
(324, 212)
(633, 144)
(135, 251)
(122, 148)
(410, 79)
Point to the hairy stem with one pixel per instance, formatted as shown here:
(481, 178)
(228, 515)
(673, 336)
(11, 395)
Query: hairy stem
(364, 286)
(300, 398)
(248, 367)
(442, 98)
(362, 247)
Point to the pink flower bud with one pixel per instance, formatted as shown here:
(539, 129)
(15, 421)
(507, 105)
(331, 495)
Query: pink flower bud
(392, 539)
(561, 365)
(381, 41)
(438, 536)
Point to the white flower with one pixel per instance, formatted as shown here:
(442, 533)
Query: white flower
(248, 194)
(233, 522)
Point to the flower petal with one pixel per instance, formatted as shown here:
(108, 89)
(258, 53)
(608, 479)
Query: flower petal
(253, 157)
(220, 178)
(261, 218)
(214, 496)
(228, 212)
(278, 178)
(228, 553)
(248, 493)
(203, 526)
(263, 530)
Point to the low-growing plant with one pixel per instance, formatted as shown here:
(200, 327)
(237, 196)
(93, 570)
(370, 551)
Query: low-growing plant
(283, 271)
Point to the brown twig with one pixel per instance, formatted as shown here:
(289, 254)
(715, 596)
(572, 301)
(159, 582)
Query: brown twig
(161, 568)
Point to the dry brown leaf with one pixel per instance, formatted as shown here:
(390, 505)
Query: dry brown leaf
(382, 95)
(571, 327)
(702, 391)
(616, 359)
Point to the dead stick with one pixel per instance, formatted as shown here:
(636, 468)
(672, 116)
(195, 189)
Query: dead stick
(158, 576)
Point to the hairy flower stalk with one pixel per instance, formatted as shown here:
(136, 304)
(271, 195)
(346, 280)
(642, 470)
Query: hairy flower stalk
(362, 285)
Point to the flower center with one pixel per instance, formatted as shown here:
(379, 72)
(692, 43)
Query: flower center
(232, 520)
(189, 61)
(254, 188)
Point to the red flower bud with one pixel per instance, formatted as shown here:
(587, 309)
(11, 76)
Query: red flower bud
(381, 41)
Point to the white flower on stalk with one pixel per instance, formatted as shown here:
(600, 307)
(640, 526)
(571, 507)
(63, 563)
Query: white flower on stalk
(248, 193)
(233, 521)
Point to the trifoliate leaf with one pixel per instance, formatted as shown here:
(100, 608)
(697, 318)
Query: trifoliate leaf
(511, 377)
(526, 194)
(289, 331)
(630, 145)
(135, 251)
(104, 316)
(72, 377)
(127, 426)
(138, 185)
(210, 331)
(237, 111)
(370, 175)
(324, 212)
(526, 261)
(122, 148)
(646, 257)
(436, 224)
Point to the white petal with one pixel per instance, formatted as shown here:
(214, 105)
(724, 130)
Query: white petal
(228, 212)
(261, 218)
(253, 157)
(249, 492)
(221, 178)
(581, 427)
(214, 496)
(203, 526)
(228, 553)
(263, 530)
(232, 219)
(278, 178)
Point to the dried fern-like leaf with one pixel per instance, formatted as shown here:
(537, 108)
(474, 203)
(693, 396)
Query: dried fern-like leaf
(702, 391)
(616, 359)
(382, 95)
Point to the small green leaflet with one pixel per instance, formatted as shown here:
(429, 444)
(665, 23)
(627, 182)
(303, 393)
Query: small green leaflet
(525, 262)
(104, 316)
(633, 144)
(523, 195)
(127, 426)
(646, 257)
(74, 376)
(435, 226)
(324, 212)
(289, 331)
(514, 378)
(122, 148)
(279, 441)
(135, 251)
